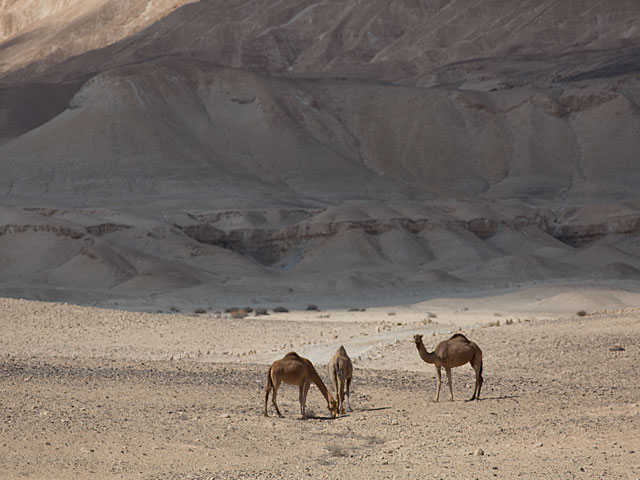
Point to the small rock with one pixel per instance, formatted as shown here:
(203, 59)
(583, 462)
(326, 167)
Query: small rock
(539, 444)
(616, 348)
(478, 453)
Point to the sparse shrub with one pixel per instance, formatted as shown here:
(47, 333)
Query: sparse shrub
(336, 451)
(581, 313)
(261, 311)
(312, 308)
(373, 440)
(509, 321)
(173, 308)
(356, 309)
(431, 315)
(238, 314)
(280, 309)
(231, 309)
(200, 310)
(248, 309)
(391, 314)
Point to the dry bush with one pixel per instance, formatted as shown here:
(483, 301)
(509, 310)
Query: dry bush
(336, 451)
(237, 314)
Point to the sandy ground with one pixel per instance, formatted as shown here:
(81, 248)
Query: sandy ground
(96, 393)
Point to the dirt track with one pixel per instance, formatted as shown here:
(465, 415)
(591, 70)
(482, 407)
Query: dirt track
(557, 403)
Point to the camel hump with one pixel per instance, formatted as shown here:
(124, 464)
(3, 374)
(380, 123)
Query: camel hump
(460, 337)
(292, 355)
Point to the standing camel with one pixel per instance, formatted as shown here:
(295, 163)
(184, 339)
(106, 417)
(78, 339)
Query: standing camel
(340, 372)
(295, 370)
(451, 353)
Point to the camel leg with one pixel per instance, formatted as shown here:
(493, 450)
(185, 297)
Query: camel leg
(301, 398)
(276, 384)
(349, 394)
(341, 396)
(266, 399)
(305, 389)
(448, 370)
(479, 381)
(438, 383)
(334, 377)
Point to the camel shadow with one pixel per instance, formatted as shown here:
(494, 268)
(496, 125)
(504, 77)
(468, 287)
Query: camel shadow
(321, 417)
(317, 417)
(372, 409)
(500, 397)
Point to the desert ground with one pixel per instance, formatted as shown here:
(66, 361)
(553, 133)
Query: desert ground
(98, 393)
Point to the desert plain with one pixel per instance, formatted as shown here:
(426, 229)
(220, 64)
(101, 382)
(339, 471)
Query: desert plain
(99, 393)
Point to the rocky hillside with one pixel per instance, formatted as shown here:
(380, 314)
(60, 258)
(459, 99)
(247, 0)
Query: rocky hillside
(167, 145)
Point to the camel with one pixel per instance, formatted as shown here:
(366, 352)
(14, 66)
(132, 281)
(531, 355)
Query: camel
(340, 372)
(451, 353)
(295, 370)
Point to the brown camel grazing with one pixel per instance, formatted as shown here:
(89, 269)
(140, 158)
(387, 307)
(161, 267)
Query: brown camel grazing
(451, 353)
(295, 370)
(340, 372)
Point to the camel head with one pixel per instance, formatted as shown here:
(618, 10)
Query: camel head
(333, 408)
(417, 338)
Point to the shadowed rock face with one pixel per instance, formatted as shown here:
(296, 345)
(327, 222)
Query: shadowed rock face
(383, 40)
(234, 132)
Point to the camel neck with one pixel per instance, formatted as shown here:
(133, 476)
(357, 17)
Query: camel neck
(315, 378)
(428, 357)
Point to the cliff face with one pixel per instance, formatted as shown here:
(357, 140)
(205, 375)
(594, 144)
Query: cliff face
(486, 126)
(365, 252)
